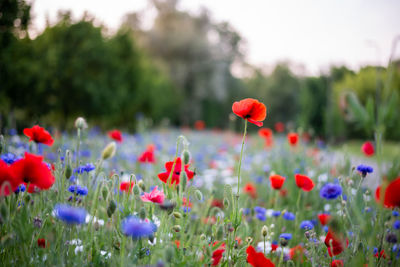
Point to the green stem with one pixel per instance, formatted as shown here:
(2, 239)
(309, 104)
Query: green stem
(241, 155)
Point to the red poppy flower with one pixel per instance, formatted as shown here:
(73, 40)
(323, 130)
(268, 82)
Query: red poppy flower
(265, 133)
(217, 203)
(7, 179)
(296, 253)
(148, 155)
(257, 259)
(41, 242)
(115, 135)
(250, 189)
(283, 192)
(324, 218)
(250, 109)
(39, 135)
(304, 182)
(177, 243)
(337, 263)
(126, 186)
(392, 196)
(293, 138)
(33, 171)
(368, 149)
(176, 173)
(274, 246)
(199, 125)
(279, 127)
(186, 203)
(382, 254)
(338, 243)
(276, 181)
(217, 254)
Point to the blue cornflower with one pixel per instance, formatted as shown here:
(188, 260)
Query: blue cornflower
(286, 236)
(260, 213)
(314, 222)
(330, 191)
(21, 188)
(306, 225)
(289, 216)
(69, 214)
(261, 216)
(258, 209)
(246, 211)
(364, 169)
(276, 213)
(396, 225)
(85, 168)
(78, 190)
(186, 209)
(136, 228)
(326, 228)
(9, 158)
(395, 213)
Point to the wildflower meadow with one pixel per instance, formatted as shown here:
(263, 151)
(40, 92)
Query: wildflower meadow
(193, 198)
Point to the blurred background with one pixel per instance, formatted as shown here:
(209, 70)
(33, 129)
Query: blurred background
(175, 63)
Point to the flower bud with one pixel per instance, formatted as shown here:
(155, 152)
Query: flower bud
(198, 195)
(176, 228)
(111, 208)
(202, 237)
(68, 171)
(226, 202)
(220, 232)
(264, 231)
(228, 191)
(184, 181)
(177, 215)
(142, 213)
(136, 190)
(109, 151)
(80, 123)
(141, 185)
(104, 192)
(284, 242)
(249, 240)
(186, 156)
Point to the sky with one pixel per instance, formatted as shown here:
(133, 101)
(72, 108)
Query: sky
(312, 34)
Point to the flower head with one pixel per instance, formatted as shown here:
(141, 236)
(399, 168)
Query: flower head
(88, 167)
(286, 236)
(154, 196)
(250, 109)
(279, 127)
(335, 243)
(115, 135)
(250, 189)
(8, 181)
(9, 158)
(364, 169)
(78, 190)
(289, 216)
(306, 225)
(136, 228)
(31, 169)
(257, 259)
(392, 196)
(39, 135)
(368, 149)
(126, 186)
(69, 214)
(217, 254)
(277, 181)
(337, 263)
(304, 182)
(330, 191)
(324, 218)
(148, 155)
(293, 139)
(176, 173)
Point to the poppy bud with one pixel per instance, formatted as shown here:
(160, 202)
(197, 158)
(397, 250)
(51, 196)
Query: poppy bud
(142, 213)
(80, 123)
(109, 151)
(220, 232)
(169, 254)
(228, 191)
(104, 192)
(198, 195)
(226, 202)
(177, 215)
(68, 171)
(167, 205)
(202, 237)
(176, 228)
(136, 190)
(2, 145)
(111, 208)
(264, 231)
(249, 240)
(186, 156)
(141, 185)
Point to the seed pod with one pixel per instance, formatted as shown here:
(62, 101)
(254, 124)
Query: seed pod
(109, 151)
(142, 213)
(111, 208)
(264, 231)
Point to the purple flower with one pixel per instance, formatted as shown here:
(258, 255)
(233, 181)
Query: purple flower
(69, 214)
(9, 158)
(136, 228)
(306, 225)
(78, 190)
(288, 216)
(330, 191)
(286, 236)
(364, 169)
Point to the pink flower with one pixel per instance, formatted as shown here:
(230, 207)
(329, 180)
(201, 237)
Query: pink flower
(154, 196)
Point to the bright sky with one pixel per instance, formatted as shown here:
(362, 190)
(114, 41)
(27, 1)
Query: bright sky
(316, 33)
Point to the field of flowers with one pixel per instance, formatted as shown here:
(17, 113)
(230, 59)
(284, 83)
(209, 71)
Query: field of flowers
(193, 198)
